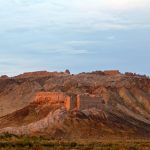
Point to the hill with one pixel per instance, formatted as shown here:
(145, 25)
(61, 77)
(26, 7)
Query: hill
(97, 104)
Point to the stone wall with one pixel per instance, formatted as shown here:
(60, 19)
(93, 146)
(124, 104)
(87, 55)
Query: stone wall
(86, 102)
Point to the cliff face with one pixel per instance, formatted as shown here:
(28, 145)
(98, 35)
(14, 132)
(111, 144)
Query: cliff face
(124, 110)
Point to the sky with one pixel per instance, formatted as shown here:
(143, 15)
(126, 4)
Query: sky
(79, 35)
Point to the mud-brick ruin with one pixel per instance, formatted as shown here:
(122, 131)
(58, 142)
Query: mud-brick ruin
(70, 101)
(50, 97)
(86, 102)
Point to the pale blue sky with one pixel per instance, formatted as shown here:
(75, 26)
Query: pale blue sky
(80, 35)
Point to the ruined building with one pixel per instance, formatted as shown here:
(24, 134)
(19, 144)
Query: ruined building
(50, 97)
(86, 102)
(111, 72)
(70, 101)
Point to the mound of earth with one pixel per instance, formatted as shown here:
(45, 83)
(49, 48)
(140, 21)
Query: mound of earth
(125, 112)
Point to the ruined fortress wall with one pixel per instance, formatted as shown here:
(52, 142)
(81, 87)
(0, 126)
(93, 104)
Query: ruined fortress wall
(39, 74)
(50, 97)
(67, 103)
(86, 102)
(111, 72)
(70, 102)
(80, 102)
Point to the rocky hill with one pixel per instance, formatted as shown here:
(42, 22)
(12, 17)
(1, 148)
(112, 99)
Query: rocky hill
(98, 104)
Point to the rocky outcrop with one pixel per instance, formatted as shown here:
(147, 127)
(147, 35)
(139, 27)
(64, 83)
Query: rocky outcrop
(4, 77)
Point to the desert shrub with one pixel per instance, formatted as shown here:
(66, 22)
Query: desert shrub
(73, 144)
(49, 144)
(7, 135)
